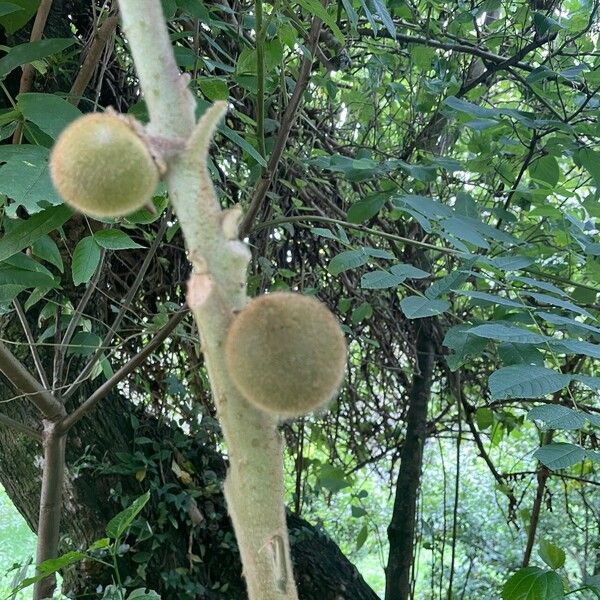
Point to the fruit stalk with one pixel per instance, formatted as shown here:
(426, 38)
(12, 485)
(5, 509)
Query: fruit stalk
(216, 291)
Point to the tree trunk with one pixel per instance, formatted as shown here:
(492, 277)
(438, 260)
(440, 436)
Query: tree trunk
(401, 531)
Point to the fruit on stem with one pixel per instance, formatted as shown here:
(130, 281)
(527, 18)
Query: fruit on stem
(286, 354)
(101, 165)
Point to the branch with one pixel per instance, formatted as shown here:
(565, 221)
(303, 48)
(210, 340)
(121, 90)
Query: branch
(21, 427)
(84, 76)
(287, 121)
(31, 341)
(124, 308)
(103, 391)
(25, 383)
(50, 508)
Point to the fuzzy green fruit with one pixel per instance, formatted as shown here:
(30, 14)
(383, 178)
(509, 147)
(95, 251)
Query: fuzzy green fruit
(102, 167)
(286, 354)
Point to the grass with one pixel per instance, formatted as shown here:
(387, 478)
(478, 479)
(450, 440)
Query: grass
(17, 545)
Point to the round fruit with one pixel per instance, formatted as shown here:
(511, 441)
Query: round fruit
(286, 353)
(102, 167)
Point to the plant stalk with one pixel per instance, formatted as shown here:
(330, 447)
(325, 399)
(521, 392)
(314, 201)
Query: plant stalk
(216, 291)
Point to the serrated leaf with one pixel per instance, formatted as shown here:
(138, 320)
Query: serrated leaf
(533, 583)
(556, 416)
(86, 258)
(525, 381)
(559, 455)
(46, 249)
(115, 239)
(418, 307)
(119, 524)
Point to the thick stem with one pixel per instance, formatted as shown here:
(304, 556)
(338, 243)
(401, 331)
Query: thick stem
(50, 506)
(254, 485)
(542, 478)
(401, 531)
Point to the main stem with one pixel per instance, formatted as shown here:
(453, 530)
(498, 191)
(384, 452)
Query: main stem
(50, 505)
(216, 291)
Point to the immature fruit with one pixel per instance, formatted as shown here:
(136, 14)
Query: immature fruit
(286, 353)
(101, 166)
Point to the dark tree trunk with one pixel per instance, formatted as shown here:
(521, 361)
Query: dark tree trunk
(401, 531)
(183, 560)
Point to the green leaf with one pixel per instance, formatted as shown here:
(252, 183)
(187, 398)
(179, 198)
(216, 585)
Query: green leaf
(508, 333)
(361, 538)
(143, 594)
(378, 280)
(14, 20)
(366, 208)
(532, 583)
(7, 8)
(86, 258)
(417, 307)
(545, 169)
(26, 53)
(119, 523)
(315, 8)
(552, 555)
(332, 478)
(29, 231)
(386, 19)
(484, 417)
(349, 259)
(49, 112)
(408, 271)
(525, 381)
(515, 354)
(546, 299)
(24, 177)
(567, 321)
(556, 416)
(46, 249)
(559, 455)
(115, 239)
(491, 298)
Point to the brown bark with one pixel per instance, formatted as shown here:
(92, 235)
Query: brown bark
(401, 531)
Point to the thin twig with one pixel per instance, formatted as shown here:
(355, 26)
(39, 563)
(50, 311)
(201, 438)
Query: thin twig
(61, 349)
(84, 76)
(123, 372)
(24, 382)
(9, 422)
(124, 308)
(32, 346)
(288, 119)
